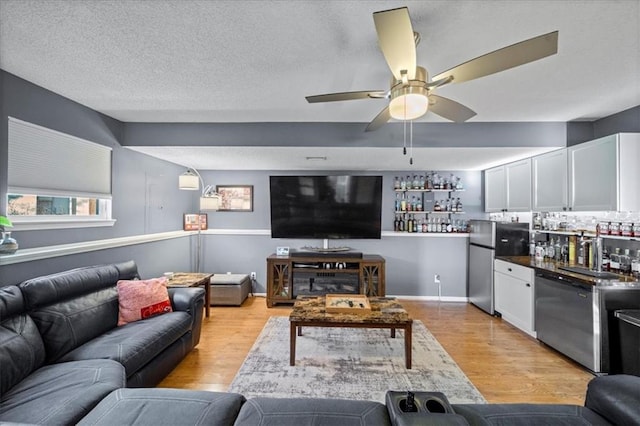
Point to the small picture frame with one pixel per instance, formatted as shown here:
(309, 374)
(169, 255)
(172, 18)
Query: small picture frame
(190, 222)
(235, 198)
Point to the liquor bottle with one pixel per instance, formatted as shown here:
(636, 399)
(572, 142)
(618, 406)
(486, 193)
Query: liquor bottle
(416, 182)
(551, 249)
(429, 181)
(459, 205)
(396, 224)
(572, 249)
(449, 226)
(605, 259)
(403, 184)
(401, 225)
(437, 207)
(447, 206)
(398, 202)
(409, 182)
(419, 206)
(635, 265)
(423, 226)
(625, 262)
(413, 203)
(403, 203)
(422, 182)
(565, 251)
(396, 183)
(557, 250)
(614, 260)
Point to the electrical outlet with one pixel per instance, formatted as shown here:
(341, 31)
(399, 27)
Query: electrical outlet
(253, 276)
(436, 278)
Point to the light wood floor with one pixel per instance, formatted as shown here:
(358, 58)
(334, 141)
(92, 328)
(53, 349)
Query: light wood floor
(504, 364)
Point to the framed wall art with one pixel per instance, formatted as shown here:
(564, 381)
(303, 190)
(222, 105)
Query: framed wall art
(190, 222)
(235, 198)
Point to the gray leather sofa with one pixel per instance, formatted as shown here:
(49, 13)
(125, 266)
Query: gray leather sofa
(61, 351)
(609, 400)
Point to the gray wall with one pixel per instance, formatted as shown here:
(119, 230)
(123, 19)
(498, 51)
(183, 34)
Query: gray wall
(627, 121)
(146, 198)
(411, 262)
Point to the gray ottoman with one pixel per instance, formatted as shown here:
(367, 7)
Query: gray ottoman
(229, 289)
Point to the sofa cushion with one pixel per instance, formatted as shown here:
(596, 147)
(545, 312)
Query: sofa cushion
(615, 397)
(66, 325)
(48, 289)
(21, 350)
(165, 406)
(527, 414)
(311, 411)
(142, 299)
(61, 393)
(72, 307)
(135, 344)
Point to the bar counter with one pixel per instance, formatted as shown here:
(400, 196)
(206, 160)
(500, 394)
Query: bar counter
(549, 265)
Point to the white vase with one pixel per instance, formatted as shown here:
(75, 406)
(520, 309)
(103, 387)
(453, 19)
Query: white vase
(8, 245)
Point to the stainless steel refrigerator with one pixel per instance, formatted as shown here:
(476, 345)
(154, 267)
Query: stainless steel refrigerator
(488, 239)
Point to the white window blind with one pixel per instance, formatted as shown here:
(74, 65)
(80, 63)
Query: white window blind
(47, 162)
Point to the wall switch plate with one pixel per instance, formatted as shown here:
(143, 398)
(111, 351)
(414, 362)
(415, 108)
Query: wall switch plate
(436, 278)
(253, 276)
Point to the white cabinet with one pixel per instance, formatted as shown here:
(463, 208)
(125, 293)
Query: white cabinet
(549, 180)
(508, 187)
(495, 193)
(604, 173)
(514, 295)
(518, 177)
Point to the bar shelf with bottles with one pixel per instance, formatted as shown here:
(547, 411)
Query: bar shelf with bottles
(569, 241)
(411, 202)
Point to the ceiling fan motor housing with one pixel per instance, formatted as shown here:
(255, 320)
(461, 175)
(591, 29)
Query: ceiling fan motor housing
(409, 100)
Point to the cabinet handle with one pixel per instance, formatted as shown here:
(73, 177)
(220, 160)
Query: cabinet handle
(528, 285)
(509, 269)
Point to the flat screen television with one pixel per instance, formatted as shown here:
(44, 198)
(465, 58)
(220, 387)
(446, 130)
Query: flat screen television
(326, 207)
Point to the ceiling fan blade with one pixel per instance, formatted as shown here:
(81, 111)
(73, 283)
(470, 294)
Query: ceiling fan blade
(449, 109)
(505, 58)
(347, 96)
(396, 40)
(380, 120)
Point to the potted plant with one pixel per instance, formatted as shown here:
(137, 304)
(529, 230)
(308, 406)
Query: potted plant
(8, 245)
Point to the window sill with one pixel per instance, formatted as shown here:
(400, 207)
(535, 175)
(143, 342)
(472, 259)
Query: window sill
(37, 223)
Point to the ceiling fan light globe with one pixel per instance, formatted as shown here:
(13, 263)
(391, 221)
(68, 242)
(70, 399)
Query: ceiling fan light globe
(408, 106)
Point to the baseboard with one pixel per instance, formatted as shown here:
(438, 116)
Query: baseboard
(416, 298)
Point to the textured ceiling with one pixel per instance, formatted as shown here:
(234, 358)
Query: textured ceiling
(255, 61)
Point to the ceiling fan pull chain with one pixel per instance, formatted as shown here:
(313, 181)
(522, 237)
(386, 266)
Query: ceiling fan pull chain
(411, 142)
(404, 128)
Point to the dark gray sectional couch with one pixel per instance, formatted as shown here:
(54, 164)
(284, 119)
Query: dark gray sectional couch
(63, 361)
(61, 351)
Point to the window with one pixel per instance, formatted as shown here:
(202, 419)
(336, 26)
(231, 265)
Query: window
(72, 185)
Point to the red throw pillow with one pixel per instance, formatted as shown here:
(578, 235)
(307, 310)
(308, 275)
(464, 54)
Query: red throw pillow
(140, 299)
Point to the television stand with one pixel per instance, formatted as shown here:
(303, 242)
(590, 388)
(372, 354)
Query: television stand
(309, 273)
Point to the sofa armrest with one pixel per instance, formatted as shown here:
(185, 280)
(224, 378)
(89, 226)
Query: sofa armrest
(615, 397)
(190, 300)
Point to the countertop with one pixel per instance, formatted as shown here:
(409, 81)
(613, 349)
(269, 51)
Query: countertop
(549, 265)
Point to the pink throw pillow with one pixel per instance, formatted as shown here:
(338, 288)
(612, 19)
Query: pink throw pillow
(140, 299)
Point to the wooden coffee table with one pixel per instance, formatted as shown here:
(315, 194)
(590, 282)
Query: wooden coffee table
(194, 279)
(386, 312)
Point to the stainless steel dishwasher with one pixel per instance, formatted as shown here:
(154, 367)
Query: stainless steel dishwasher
(576, 318)
(565, 318)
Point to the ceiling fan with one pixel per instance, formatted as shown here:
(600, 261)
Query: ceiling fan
(411, 92)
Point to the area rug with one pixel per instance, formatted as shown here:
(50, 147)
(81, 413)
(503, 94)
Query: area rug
(351, 363)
